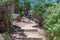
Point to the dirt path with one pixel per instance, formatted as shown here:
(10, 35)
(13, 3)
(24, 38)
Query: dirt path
(29, 26)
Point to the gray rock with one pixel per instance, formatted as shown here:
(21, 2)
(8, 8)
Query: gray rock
(1, 37)
(14, 16)
(24, 19)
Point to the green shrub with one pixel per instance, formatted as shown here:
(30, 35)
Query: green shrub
(52, 22)
(38, 10)
(6, 36)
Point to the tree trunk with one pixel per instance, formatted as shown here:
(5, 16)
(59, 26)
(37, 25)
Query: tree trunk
(5, 10)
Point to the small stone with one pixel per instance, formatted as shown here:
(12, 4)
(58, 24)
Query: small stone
(24, 19)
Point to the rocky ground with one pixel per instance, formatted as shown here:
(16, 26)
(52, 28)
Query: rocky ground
(30, 31)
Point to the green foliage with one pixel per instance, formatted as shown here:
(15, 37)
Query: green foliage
(3, 2)
(6, 37)
(40, 8)
(17, 6)
(52, 22)
(9, 19)
(27, 4)
(22, 7)
(8, 22)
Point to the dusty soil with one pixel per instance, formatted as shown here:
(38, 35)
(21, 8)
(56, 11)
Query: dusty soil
(28, 26)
